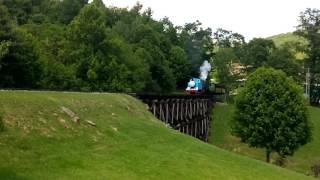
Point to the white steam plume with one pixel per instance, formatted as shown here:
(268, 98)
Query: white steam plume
(204, 70)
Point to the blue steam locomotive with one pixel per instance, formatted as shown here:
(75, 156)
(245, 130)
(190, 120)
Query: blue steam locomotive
(198, 86)
(195, 86)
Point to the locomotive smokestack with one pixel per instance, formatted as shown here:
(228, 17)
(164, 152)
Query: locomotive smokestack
(204, 70)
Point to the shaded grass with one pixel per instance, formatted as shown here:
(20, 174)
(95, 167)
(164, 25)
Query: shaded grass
(40, 141)
(302, 160)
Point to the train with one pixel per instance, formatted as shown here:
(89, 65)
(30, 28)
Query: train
(199, 86)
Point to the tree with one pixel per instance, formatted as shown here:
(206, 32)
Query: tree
(5, 32)
(309, 28)
(227, 46)
(19, 67)
(197, 43)
(70, 9)
(271, 113)
(227, 39)
(284, 59)
(4, 49)
(256, 53)
(180, 65)
(223, 61)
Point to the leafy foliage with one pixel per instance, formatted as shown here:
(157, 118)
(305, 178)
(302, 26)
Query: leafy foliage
(74, 45)
(309, 28)
(82, 46)
(271, 113)
(18, 66)
(256, 53)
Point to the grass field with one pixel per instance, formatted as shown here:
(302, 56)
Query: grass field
(301, 161)
(42, 141)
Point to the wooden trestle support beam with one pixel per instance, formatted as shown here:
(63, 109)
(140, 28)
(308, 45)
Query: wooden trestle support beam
(189, 114)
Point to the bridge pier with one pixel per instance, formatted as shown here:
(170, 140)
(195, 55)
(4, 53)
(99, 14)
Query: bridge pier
(189, 114)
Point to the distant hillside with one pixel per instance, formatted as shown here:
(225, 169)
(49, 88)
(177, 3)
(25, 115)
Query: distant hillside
(281, 39)
(50, 135)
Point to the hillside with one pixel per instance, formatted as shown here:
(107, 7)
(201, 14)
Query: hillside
(302, 160)
(50, 135)
(281, 39)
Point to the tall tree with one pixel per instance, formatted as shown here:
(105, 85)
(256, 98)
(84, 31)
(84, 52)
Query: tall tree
(227, 39)
(18, 66)
(224, 70)
(197, 43)
(309, 28)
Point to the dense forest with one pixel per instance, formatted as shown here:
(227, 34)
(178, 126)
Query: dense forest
(81, 46)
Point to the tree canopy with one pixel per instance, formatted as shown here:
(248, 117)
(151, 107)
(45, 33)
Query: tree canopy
(82, 46)
(76, 45)
(309, 28)
(271, 113)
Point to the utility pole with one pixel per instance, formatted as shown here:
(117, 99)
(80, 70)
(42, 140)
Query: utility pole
(307, 88)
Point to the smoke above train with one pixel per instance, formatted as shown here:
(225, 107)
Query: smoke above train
(205, 68)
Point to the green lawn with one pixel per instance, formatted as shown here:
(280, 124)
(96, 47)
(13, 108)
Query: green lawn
(41, 141)
(302, 160)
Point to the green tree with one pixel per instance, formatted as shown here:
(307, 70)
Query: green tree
(54, 56)
(19, 67)
(180, 65)
(223, 61)
(256, 53)
(309, 28)
(198, 44)
(103, 60)
(227, 46)
(4, 48)
(68, 9)
(284, 59)
(271, 113)
(227, 39)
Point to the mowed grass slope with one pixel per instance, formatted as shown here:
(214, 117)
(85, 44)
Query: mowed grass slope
(302, 160)
(41, 141)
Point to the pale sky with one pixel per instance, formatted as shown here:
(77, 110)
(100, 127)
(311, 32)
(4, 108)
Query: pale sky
(251, 18)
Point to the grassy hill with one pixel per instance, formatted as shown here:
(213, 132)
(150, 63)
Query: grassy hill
(51, 135)
(281, 39)
(302, 160)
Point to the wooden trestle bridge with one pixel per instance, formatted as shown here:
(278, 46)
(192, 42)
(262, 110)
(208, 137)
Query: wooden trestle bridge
(189, 114)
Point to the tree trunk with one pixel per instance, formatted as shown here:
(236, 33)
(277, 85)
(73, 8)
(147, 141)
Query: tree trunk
(268, 153)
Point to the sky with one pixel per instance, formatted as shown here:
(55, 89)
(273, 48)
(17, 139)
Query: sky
(251, 18)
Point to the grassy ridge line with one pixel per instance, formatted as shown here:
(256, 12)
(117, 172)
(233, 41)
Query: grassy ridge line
(41, 141)
(302, 160)
(281, 39)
